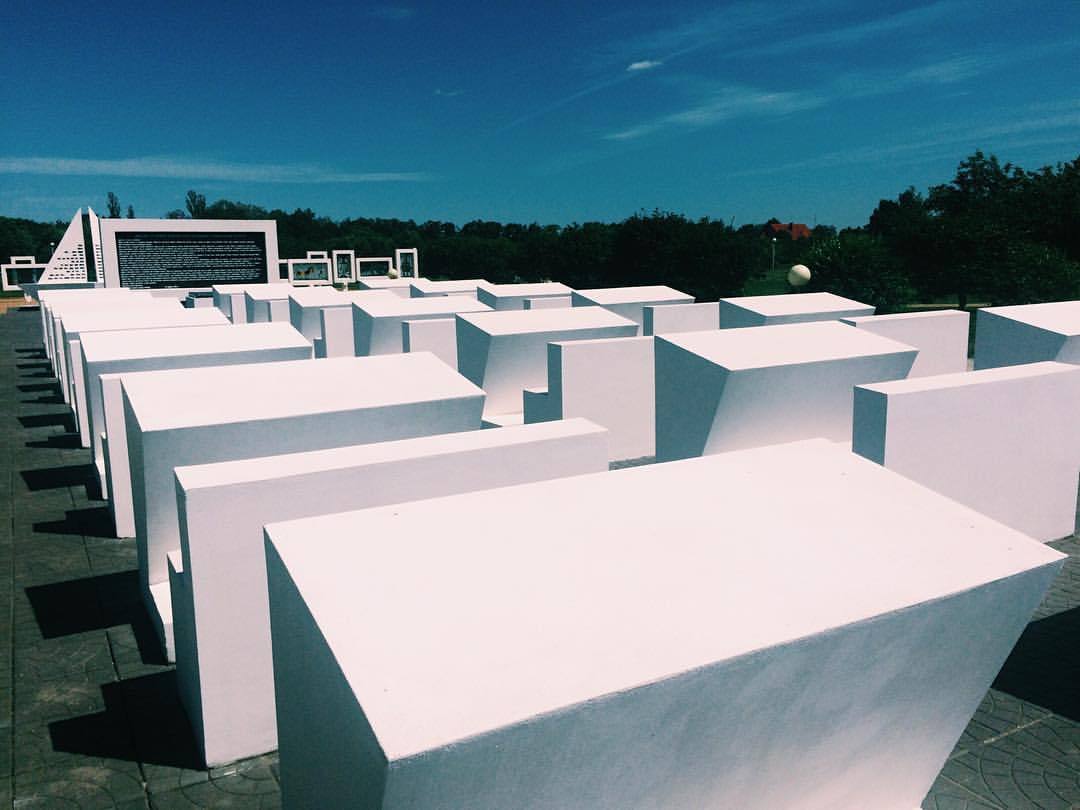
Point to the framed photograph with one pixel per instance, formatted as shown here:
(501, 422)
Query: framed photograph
(407, 261)
(373, 265)
(307, 272)
(344, 266)
(283, 269)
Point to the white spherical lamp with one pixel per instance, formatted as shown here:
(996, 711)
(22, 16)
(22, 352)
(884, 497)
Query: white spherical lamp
(799, 275)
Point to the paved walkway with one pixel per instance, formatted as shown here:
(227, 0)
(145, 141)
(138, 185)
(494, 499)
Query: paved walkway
(90, 711)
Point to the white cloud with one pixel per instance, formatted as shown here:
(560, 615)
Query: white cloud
(198, 170)
(644, 64)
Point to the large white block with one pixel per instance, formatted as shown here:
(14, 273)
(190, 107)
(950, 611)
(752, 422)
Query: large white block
(769, 310)
(47, 299)
(658, 320)
(435, 335)
(613, 652)
(401, 287)
(130, 320)
(731, 389)
(423, 288)
(226, 677)
(506, 352)
(201, 415)
(608, 381)
(377, 322)
(941, 337)
(1003, 441)
(265, 303)
(551, 302)
(306, 305)
(174, 347)
(1009, 336)
(630, 301)
(512, 296)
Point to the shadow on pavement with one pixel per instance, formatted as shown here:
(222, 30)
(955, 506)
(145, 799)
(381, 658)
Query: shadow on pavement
(1044, 667)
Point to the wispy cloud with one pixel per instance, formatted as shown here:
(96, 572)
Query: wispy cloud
(724, 104)
(644, 64)
(448, 93)
(392, 13)
(172, 167)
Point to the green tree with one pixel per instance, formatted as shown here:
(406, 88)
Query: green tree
(857, 265)
(196, 204)
(112, 205)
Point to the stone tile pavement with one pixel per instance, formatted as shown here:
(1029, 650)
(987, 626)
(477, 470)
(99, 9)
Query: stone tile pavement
(89, 714)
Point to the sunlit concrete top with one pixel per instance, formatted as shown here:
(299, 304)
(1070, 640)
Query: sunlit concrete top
(225, 289)
(902, 316)
(960, 379)
(392, 306)
(385, 282)
(536, 290)
(269, 292)
(1062, 317)
(214, 395)
(796, 303)
(530, 321)
(150, 316)
(489, 628)
(784, 344)
(318, 296)
(657, 294)
(182, 341)
(421, 287)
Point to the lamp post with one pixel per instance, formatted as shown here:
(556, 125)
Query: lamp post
(774, 254)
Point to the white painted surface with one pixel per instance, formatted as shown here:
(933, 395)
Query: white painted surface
(605, 655)
(551, 302)
(941, 337)
(435, 335)
(1003, 441)
(227, 686)
(306, 305)
(512, 296)
(608, 381)
(505, 352)
(630, 301)
(1008, 336)
(201, 415)
(731, 389)
(229, 298)
(681, 318)
(174, 347)
(377, 322)
(266, 303)
(399, 286)
(49, 299)
(422, 287)
(769, 310)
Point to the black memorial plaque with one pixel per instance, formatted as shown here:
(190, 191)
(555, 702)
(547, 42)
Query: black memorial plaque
(158, 259)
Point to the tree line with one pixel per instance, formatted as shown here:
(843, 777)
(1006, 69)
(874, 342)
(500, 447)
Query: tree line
(994, 234)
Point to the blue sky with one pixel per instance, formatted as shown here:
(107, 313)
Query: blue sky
(552, 112)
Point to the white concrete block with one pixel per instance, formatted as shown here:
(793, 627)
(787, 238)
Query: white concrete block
(306, 306)
(47, 299)
(769, 310)
(512, 296)
(174, 347)
(1003, 441)
(630, 301)
(505, 352)
(1009, 336)
(941, 337)
(401, 287)
(337, 333)
(200, 415)
(608, 381)
(117, 484)
(435, 335)
(377, 322)
(265, 303)
(226, 684)
(423, 288)
(731, 389)
(614, 653)
(681, 318)
(551, 302)
(129, 320)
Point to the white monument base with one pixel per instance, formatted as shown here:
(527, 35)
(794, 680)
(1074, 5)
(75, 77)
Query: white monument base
(1030, 333)
(770, 310)
(940, 336)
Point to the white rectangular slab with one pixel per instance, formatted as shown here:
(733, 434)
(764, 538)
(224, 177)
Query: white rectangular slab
(200, 415)
(681, 318)
(435, 335)
(1004, 441)
(377, 322)
(506, 352)
(551, 302)
(401, 287)
(47, 299)
(1030, 333)
(422, 287)
(131, 320)
(512, 296)
(940, 336)
(769, 310)
(265, 303)
(306, 306)
(172, 347)
(615, 653)
(630, 301)
(608, 381)
(224, 672)
(731, 389)
(229, 298)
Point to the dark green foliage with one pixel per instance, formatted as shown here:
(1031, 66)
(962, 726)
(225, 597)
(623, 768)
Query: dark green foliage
(857, 265)
(23, 237)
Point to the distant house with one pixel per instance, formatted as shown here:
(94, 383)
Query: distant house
(792, 230)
